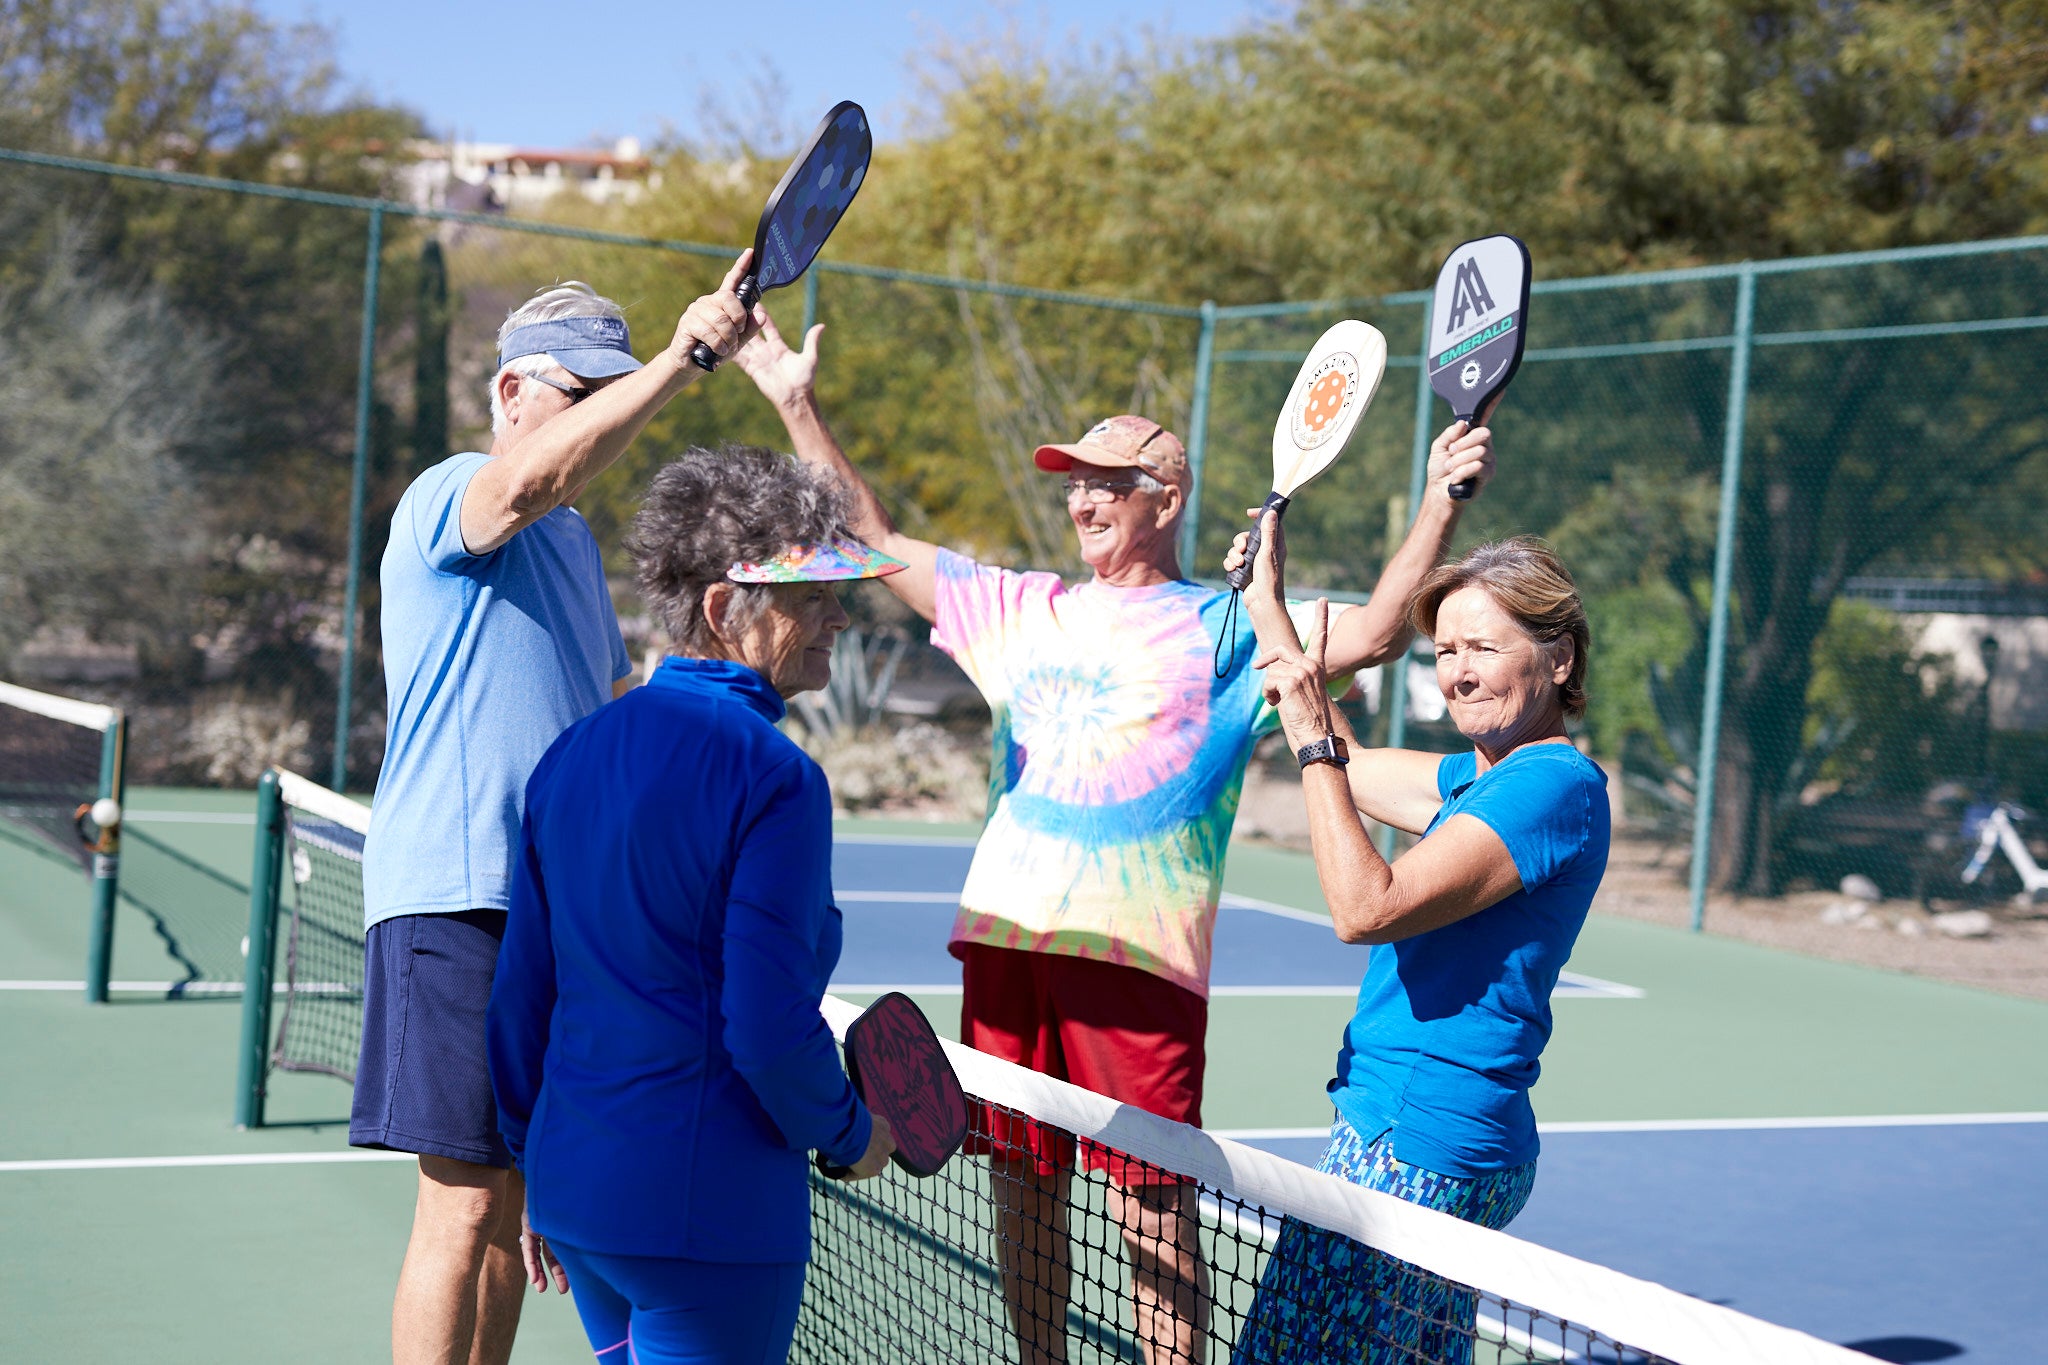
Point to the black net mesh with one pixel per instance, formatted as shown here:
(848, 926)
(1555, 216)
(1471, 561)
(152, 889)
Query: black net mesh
(1109, 1258)
(320, 1002)
(48, 769)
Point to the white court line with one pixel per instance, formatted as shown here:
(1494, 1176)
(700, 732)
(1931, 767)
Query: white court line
(196, 988)
(190, 987)
(1701, 1125)
(187, 817)
(137, 1163)
(911, 840)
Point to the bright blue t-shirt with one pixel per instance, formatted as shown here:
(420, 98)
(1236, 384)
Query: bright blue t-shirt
(1444, 1044)
(486, 659)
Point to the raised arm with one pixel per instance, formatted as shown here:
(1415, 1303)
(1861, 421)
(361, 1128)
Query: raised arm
(1379, 631)
(1457, 871)
(550, 466)
(1394, 786)
(788, 379)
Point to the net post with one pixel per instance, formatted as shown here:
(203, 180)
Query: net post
(106, 865)
(810, 299)
(365, 373)
(1394, 692)
(1724, 568)
(257, 976)
(1198, 434)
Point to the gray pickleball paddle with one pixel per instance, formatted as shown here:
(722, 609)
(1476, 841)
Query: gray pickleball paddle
(1477, 323)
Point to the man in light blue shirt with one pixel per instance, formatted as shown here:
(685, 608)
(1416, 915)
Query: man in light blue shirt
(498, 635)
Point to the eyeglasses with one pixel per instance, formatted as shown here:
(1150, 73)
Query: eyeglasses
(577, 393)
(1100, 490)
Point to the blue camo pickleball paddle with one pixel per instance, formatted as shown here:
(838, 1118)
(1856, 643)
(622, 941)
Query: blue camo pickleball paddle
(1478, 321)
(806, 204)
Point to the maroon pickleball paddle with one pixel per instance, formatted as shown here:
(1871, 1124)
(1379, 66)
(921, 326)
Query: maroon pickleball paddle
(900, 1070)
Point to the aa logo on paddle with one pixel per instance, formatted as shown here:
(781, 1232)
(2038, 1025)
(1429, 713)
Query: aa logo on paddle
(1330, 392)
(1468, 292)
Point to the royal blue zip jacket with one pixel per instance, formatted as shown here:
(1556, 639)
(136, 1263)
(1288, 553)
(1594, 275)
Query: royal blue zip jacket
(660, 1064)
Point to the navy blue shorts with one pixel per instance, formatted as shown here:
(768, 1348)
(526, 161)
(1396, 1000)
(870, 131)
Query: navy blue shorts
(423, 1083)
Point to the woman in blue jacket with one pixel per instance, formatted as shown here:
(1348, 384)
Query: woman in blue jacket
(1472, 926)
(661, 1069)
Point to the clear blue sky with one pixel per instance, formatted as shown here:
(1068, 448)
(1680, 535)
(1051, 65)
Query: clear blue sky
(563, 74)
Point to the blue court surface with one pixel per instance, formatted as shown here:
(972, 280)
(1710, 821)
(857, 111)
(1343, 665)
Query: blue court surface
(899, 895)
(1910, 1238)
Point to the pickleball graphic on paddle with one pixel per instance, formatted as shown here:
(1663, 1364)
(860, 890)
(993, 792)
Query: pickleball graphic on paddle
(1477, 327)
(1331, 392)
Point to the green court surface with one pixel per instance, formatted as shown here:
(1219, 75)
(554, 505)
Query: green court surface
(295, 1259)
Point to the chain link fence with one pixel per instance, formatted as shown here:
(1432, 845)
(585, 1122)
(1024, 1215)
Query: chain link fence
(1800, 496)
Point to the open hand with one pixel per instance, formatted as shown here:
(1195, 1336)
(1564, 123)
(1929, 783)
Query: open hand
(1296, 682)
(1461, 453)
(718, 319)
(540, 1262)
(783, 376)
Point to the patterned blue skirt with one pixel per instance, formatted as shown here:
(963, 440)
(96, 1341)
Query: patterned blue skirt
(1324, 1297)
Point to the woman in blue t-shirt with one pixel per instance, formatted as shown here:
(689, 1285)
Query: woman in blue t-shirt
(1477, 920)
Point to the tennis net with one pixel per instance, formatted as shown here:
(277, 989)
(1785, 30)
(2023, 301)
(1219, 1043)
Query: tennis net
(56, 756)
(1285, 1264)
(310, 840)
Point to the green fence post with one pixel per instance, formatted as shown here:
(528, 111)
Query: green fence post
(1394, 691)
(1198, 434)
(257, 974)
(1724, 568)
(365, 373)
(810, 301)
(106, 865)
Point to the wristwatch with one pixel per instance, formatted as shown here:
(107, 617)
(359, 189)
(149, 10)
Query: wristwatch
(1328, 749)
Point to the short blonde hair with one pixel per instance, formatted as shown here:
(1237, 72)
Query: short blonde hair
(1527, 580)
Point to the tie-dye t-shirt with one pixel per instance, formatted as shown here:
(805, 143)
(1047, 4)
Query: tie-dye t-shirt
(1119, 756)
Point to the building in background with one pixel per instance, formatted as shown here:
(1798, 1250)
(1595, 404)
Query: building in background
(482, 177)
(1996, 634)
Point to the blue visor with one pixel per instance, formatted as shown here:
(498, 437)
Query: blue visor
(589, 348)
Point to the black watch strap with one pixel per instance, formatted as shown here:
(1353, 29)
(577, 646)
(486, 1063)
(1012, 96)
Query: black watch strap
(1328, 749)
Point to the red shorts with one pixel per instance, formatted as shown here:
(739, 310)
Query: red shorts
(1116, 1030)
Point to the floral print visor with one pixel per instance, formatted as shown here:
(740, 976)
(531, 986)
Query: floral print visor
(828, 563)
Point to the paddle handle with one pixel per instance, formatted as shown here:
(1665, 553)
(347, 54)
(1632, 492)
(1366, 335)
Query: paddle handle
(1240, 577)
(1463, 490)
(749, 291)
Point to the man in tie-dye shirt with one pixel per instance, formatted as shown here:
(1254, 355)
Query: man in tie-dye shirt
(1085, 926)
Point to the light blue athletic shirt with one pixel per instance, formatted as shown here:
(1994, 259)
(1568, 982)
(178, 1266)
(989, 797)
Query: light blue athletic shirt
(486, 659)
(1444, 1044)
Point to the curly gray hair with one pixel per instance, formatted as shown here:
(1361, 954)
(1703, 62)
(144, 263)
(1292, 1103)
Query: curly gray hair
(710, 509)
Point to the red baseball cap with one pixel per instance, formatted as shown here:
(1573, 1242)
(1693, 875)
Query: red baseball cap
(1130, 442)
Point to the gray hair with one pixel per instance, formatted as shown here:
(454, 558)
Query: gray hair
(710, 509)
(570, 299)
